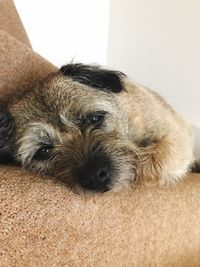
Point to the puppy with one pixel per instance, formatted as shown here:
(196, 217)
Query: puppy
(95, 128)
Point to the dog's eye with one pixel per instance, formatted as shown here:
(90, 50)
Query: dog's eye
(43, 153)
(94, 119)
(97, 118)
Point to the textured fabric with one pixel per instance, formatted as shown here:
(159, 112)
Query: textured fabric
(21, 68)
(11, 23)
(44, 223)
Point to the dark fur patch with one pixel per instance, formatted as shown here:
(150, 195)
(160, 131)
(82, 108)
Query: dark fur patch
(6, 134)
(95, 76)
(196, 166)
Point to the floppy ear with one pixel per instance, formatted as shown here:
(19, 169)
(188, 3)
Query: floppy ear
(95, 76)
(7, 128)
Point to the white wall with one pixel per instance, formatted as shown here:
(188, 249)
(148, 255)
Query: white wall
(65, 29)
(158, 44)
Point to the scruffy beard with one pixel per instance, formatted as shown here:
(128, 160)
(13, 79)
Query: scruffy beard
(74, 151)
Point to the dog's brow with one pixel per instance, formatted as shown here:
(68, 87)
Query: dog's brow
(64, 119)
(66, 123)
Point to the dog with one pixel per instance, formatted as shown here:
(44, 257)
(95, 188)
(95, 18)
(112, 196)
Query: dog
(95, 128)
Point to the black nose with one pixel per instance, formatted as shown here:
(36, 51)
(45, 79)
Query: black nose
(95, 177)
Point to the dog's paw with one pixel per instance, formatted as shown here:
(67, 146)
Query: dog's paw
(6, 133)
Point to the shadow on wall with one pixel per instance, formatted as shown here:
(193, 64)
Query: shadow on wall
(196, 132)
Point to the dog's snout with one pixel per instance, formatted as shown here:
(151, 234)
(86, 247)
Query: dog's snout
(95, 176)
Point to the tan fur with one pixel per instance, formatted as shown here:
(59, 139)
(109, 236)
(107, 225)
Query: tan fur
(142, 134)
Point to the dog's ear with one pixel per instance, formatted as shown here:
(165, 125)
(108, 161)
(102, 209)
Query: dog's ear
(95, 76)
(7, 129)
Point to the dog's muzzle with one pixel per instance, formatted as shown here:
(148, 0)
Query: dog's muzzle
(95, 176)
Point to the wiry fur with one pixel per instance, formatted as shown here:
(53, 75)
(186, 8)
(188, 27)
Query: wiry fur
(140, 137)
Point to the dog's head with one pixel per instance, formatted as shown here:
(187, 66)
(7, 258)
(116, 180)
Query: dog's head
(73, 125)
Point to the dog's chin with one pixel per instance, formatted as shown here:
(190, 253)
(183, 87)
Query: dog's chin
(121, 179)
(116, 184)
